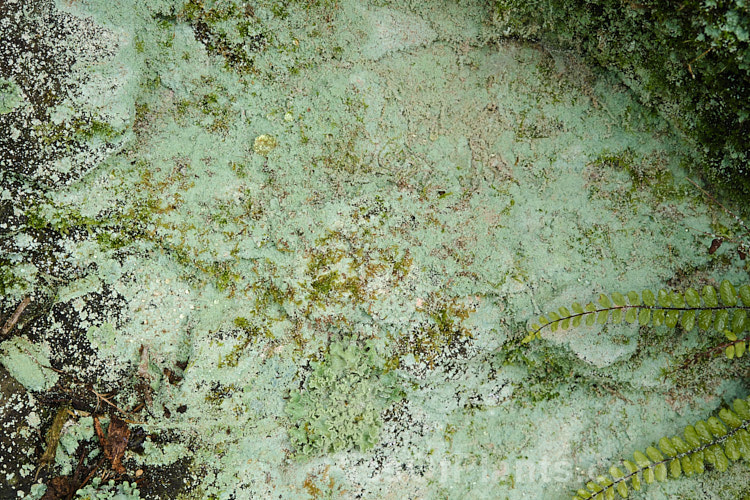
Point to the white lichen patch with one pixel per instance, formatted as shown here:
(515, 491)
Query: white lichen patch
(11, 95)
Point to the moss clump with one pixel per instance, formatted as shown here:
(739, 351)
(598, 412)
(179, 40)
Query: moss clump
(264, 144)
(340, 405)
(247, 334)
(227, 29)
(651, 181)
(691, 61)
(439, 332)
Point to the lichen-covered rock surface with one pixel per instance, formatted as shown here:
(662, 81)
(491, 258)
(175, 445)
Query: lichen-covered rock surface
(289, 250)
(689, 61)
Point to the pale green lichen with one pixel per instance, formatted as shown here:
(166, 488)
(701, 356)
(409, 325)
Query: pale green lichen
(429, 219)
(28, 363)
(73, 434)
(108, 491)
(10, 95)
(328, 419)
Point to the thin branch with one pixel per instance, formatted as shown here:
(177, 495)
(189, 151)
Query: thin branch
(8, 326)
(709, 352)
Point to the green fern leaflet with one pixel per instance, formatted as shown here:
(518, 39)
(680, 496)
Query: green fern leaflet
(724, 310)
(715, 441)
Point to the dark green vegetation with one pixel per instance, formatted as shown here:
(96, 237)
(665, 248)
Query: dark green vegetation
(690, 60)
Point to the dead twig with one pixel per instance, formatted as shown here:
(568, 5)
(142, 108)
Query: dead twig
(104, 397)
(8, 326)
(53, 437)
(689, 65)
(91, 474)
(710, 352)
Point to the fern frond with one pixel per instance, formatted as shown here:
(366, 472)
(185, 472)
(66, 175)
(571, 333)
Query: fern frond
(716, 441)
(725, 310)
